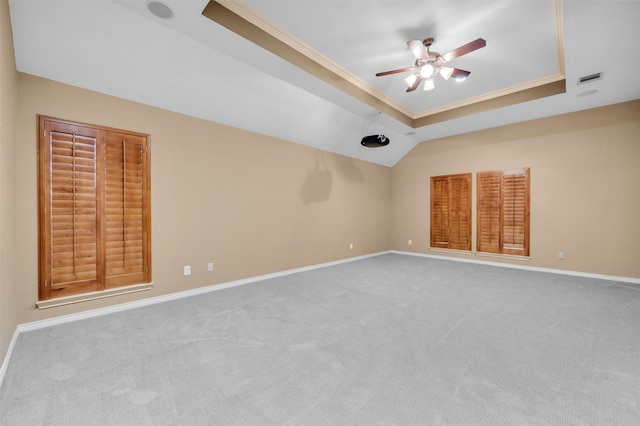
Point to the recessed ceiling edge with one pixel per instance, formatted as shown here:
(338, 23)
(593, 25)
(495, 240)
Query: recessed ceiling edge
(247, 23)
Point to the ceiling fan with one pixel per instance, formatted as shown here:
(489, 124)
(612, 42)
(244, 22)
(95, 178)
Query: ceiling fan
(429, 64)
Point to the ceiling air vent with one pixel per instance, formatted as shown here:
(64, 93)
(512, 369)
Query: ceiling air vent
(590, 78)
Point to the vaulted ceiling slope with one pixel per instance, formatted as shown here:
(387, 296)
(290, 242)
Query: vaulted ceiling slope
(205, 67)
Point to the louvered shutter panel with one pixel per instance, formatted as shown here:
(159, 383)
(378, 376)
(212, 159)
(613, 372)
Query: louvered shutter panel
(451, 211)
(503, 212)
(70, 225)
(515, 212)
(460, 212)
(124, 209)
(488, 239)
(94, 221)
(440, 212)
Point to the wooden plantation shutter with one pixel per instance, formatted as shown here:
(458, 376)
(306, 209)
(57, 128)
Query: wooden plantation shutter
(94, 222)
(124, 193)
(488, 225)
(503, 212)
(515, 213)
(451, 211)
(460, 212)
(440, 211)
(69, 246)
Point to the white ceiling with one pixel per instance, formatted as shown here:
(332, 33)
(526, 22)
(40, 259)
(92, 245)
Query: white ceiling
(192, 65)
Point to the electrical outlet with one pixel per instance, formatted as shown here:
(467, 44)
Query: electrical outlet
(350, 246)
(187, 270)
(210, 267)
(409, 242)
(561, 255)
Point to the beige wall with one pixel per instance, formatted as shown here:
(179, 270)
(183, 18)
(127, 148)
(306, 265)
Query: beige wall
(585, 187)
(8, 102)
(248, 203)
(254, 205)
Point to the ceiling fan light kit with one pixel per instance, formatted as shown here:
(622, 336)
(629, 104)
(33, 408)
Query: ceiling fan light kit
(410, 80)
(428, 85)
(446, 72)
(429, 64)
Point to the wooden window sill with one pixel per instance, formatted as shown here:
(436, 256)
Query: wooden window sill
(79, 298)
(504, 256)
(448, 250)
(481, 254)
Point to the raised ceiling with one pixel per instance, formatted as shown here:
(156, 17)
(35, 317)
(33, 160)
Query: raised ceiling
(327, 56)
(304, 70)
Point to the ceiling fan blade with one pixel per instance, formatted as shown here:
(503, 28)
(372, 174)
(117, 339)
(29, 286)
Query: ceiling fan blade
(380, 74)
(418, 49)
(460, 74)
(415, 84)
(463, 50)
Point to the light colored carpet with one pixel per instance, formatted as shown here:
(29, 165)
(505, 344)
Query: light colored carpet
(392, 339)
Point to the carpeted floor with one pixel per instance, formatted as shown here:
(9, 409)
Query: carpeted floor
(388, 340)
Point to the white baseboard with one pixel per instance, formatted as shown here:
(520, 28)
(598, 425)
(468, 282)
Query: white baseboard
(178, 295)
(35, 325)
(201, 290)
(525, 267)
(5, 361)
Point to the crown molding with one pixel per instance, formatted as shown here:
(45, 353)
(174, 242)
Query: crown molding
(246, 22)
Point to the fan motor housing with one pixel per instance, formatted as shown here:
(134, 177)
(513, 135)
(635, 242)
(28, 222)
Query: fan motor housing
(374, 141)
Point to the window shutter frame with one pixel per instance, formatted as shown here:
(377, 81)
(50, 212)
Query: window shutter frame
(503, 212)
(131, 190)
(69, 206)
(460, 212)
(450, 215)
(488, 212)
(515, 212)
(439, 212)
(67, 194)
